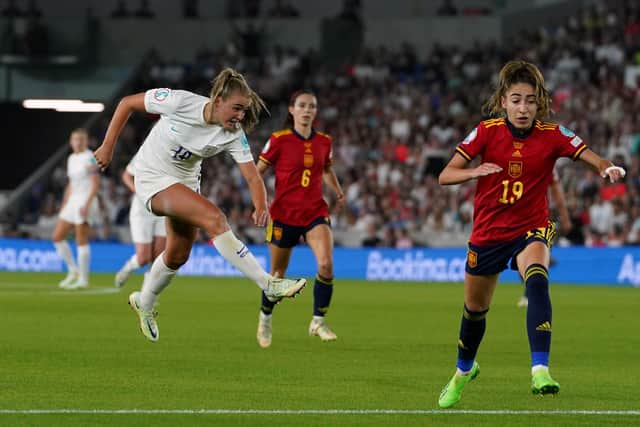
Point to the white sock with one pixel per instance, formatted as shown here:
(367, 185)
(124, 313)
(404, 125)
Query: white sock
(64, 251)
(537, 368)
(460, 372)
(265, 317)
(131, 264)
(84, 256)
(157, 278)
(318, 318)
(237, 253)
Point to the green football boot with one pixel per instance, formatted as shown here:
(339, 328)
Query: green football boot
(452, 392)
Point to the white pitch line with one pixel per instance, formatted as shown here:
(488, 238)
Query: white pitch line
(51, 289)
(317, 412)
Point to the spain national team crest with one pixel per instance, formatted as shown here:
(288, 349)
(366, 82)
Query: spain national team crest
(515, 169)
(308, 160)
(277, 233)
(472, 258)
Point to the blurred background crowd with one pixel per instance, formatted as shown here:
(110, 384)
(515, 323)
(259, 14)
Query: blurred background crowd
(396, 116)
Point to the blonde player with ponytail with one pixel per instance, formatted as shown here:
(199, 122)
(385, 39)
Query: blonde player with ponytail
(193, 127)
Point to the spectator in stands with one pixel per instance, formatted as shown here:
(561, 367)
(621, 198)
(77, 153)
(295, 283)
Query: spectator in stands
(33, 11)
(351, 11)
(252, 8)
(144, 12)
(121, 10)
(12, 10)
(404, 241)
(190, 9)
(283, 9)
(447, 8)
(250, 39)
(372, 239)
(36, 39)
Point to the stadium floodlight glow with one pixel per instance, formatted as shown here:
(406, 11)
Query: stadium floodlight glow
(85, 107)
(49, 103)
(64, 105)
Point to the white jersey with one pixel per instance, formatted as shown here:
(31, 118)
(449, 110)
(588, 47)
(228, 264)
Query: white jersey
(181, 138)
(80, 168)
(137, 206)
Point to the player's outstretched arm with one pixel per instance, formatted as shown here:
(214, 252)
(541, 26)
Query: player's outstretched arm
(605, 168)
(125, 107)
(331, 179)
(258, 192)
(456, 171)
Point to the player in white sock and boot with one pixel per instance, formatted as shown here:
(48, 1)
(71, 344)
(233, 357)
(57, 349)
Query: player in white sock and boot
(193, 127)
(148, 231)
(79, 207)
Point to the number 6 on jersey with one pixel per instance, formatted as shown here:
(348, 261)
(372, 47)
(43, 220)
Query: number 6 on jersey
(306, 178)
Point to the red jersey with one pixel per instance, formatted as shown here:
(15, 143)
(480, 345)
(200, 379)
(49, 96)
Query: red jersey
(299, 165)
(510, 203)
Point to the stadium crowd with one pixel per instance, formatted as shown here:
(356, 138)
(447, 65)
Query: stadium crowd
(395, 117)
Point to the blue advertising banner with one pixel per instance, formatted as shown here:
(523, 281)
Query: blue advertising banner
(579, 265)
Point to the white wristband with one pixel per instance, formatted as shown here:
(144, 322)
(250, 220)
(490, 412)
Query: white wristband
(607, 172)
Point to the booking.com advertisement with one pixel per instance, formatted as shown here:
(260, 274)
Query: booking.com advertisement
(577, 265)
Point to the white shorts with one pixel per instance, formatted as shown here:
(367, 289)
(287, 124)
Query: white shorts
(71, 211)
(148, 184)
(145, 228)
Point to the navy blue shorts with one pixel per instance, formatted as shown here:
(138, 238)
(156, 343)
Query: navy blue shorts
(288, 236)
(490, 260)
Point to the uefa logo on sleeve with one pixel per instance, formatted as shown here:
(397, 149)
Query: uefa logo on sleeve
(161, 94)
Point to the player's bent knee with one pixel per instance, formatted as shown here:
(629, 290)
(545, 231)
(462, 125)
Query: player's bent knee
(215, 224)
(325, 268)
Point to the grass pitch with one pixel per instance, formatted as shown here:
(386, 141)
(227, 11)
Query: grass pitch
(82, 351)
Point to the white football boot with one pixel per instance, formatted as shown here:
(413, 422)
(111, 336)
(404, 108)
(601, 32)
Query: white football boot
(318, 328)
(148, 324)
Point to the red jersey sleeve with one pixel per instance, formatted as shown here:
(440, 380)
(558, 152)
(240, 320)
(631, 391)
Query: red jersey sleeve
(270, 152)
(328, 159)
(568, 143)
(474, 143)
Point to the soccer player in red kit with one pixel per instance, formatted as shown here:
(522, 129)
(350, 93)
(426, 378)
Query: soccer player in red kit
(511, 224)
(301, 159)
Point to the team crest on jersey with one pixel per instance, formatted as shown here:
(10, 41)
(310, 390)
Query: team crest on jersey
(472, 135)
(515, 169)
(566, 132)
(161, 94)
(472, 258)
(308, 160)
(518, 145)
(277, 233)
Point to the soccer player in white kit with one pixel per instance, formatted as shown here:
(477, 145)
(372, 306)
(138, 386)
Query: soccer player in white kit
(79, 209)
(147, 230)
(192, 127)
